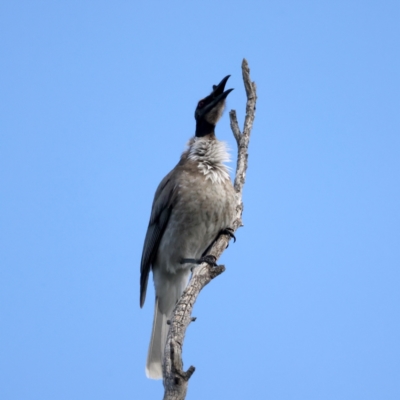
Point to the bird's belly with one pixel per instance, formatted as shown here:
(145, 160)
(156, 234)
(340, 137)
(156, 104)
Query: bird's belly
(202, 212)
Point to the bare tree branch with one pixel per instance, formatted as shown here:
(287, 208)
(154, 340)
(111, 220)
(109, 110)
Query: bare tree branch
(175, 379)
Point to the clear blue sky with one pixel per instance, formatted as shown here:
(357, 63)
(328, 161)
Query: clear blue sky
(96, 104)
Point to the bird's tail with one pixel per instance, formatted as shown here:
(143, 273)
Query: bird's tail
(157, 344)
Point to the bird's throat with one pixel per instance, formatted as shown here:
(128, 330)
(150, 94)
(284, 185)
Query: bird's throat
(204, 128)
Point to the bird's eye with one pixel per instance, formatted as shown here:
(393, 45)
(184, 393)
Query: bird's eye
(201, 104)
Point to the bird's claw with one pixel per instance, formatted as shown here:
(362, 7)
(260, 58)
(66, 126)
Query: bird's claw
(209, 259)
(229, 232)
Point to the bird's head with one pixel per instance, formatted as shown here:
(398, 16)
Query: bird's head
(209, 110)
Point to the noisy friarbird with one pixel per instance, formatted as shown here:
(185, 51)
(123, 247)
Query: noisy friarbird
(192, 205)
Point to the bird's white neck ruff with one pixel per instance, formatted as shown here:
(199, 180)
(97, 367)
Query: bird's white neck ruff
(210, 155)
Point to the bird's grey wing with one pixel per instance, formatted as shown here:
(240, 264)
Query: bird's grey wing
(160, 213)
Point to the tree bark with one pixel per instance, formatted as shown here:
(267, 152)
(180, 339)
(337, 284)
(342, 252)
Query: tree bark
(175, 379)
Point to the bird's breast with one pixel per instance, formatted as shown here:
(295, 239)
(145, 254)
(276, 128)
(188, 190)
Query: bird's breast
(202, 209)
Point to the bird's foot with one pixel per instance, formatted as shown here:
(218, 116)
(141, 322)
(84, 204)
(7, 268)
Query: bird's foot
(229, 232)
(209, 259)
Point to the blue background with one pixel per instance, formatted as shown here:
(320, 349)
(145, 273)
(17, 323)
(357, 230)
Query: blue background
(97, 103)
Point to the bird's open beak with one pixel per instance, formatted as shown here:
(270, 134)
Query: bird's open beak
(218, 93)
(214, 98)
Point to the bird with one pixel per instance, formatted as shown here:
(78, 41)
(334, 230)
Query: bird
(192, 206)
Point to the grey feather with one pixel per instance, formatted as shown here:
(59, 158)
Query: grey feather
(160, 213)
